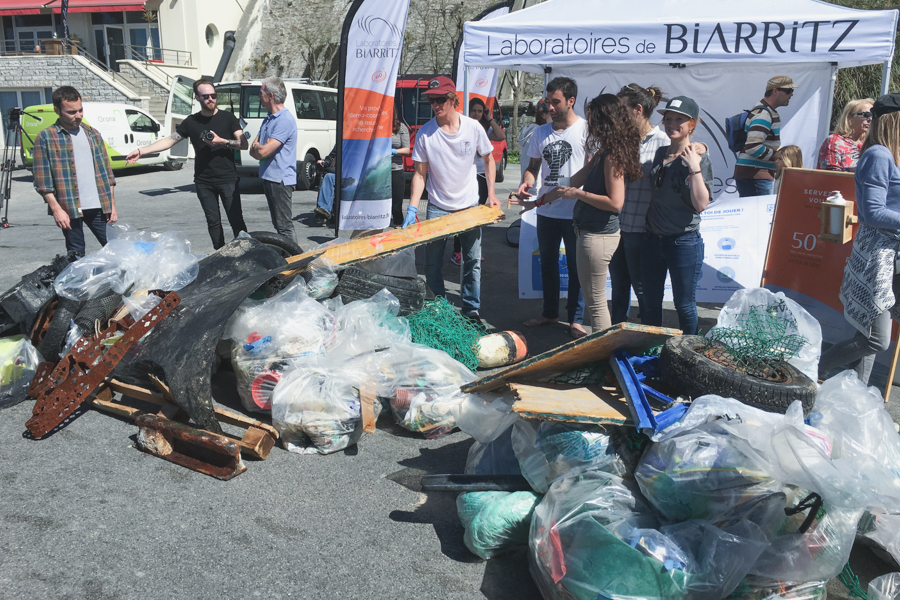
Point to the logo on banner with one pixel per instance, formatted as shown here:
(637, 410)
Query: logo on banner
(387, 39)
(726, 244)
(379, 76)
(725, 274)
(483, 82)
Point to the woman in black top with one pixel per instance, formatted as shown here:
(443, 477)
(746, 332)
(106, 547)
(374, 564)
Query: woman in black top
(611, 160)
(681, 189)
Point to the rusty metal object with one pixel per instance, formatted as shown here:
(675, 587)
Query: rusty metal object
(86, 366)
(201, 451)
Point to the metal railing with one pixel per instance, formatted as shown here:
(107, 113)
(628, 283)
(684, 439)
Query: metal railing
(152, 55)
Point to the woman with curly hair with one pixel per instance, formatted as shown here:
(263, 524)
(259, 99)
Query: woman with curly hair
(682, 189)
(612, 159)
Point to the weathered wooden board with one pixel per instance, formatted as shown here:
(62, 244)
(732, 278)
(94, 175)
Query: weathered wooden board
(570, 403)
(389, 242)
(593, 348)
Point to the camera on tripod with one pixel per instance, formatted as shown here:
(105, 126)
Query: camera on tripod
(14, 114)
(207, 135)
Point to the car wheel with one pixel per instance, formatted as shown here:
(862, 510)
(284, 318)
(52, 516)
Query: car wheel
(284, 245)
(501, 169)
(307, 173)
(358, 284)
(693, 374)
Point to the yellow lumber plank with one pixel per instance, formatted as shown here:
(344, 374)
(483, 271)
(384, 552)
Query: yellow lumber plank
(573, 404)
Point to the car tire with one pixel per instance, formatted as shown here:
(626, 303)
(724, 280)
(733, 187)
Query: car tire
(501, 169)
(512, 233)
(307, 173)
(692, 374)
(284, 245)
(171, 165)
(66, 310)
(358, 284)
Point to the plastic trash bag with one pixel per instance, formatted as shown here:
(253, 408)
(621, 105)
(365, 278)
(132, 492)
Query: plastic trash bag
(316, 409)
(753, 589)
(425, 397)
(272, 337)
(369, 325)
(739, 304)
(321, 278)
(886, 587)
(18, 363)
(399, 264)
(495, 456)
(496, 522)
(548, 450)
(131, 261)
(880, 531)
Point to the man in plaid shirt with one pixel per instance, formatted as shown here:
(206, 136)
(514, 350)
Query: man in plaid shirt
(73, 175)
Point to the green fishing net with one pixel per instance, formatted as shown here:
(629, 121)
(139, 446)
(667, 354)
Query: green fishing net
(760, 338)
(441, 327)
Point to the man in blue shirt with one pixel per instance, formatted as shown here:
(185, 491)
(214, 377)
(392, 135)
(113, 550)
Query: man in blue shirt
(276, 149)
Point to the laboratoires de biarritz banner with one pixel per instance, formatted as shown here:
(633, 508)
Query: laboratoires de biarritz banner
(482, 81)
(371, 41)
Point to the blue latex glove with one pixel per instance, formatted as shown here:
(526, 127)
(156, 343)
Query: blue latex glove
(393, 152)
(410, 217)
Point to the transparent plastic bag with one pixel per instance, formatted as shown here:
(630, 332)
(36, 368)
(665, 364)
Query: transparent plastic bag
(548, 450)
(886, 587)
(321, 278)
(369, 325)
(399, 264)
(317, 409)
(496, 522)
(880, 530)
(739, 304)
(131, 261)
(754, 589)
(18, 364)
(496, 456)
(483, 416)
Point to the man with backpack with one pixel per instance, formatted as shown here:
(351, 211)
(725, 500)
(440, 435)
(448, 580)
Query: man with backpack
(754, 170)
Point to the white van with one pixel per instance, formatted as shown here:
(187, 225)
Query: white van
(124, 128)
(313, 106)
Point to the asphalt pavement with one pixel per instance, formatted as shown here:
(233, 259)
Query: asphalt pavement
(84, 514)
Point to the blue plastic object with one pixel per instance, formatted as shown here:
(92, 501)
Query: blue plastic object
(631, 371)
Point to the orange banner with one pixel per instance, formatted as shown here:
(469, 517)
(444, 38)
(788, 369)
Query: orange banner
(367, 114)
(800, 264)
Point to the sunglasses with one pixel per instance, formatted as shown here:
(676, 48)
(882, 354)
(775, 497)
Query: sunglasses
(865, 115)
(208, 96)
(786, 90)
(438, 100)
(660, 175)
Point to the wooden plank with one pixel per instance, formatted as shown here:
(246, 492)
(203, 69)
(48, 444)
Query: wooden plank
(593, 348)
(389, 242)
(570, 403)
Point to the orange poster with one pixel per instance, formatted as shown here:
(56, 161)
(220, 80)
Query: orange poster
(798, 263)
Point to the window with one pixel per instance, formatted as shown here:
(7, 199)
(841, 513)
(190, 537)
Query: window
(139, 122)
(250, 106)
(182, 96)
(108, 18)
(211, 34)
(329, 103)
(229, 98)
(307, 104)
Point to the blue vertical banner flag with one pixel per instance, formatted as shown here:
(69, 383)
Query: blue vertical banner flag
(371, 42)
(482, 82)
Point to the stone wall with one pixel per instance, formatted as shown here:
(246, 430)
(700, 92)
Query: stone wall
(17, 72)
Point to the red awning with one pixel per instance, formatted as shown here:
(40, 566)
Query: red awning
(35, 7)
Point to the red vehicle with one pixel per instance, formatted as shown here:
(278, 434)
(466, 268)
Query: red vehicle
(415, 111)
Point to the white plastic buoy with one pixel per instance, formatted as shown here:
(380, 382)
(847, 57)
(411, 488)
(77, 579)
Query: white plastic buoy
(500, 349)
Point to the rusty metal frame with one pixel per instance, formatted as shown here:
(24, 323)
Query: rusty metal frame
(60, 390)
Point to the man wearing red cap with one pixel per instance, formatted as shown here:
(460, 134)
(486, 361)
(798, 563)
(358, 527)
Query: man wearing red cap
(446, 148)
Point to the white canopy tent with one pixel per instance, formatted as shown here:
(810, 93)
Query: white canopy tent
(719, 52)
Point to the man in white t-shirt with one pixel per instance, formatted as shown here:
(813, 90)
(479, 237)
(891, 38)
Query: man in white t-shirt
(446, 149)
(556, 151)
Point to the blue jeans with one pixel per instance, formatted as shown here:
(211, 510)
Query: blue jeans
(549, 233)
(625, 273)
(326, 192)
(754, 187)
(95, 219)
(471, 265)
(682, 256)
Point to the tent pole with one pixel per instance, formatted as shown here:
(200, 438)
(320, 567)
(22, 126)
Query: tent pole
(825, 126)
(547, 71)
(886, 76)
(465, 109)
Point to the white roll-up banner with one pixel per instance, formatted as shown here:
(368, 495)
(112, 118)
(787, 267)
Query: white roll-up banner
(371, 41)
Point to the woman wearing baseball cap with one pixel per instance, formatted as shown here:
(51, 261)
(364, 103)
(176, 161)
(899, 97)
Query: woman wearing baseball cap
(681, 188)
(868, 297)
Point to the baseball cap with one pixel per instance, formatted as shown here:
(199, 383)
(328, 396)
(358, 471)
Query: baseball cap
(780, 81)
(682, 105)
(440, 86)
(887, 104)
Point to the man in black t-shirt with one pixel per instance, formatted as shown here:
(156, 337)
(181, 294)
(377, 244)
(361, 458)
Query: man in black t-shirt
(215, 175)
